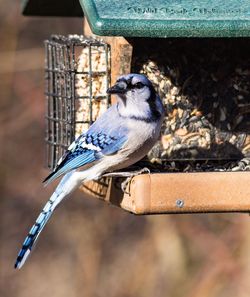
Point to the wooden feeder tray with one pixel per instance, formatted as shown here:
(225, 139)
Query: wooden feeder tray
(161, 193)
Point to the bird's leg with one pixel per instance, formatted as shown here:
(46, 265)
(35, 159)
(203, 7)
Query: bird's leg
(128, 175)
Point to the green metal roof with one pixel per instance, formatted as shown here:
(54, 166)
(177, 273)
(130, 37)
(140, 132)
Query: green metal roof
(155, 18)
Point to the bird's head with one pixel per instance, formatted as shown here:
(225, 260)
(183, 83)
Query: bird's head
(132, 85)
(136, 96)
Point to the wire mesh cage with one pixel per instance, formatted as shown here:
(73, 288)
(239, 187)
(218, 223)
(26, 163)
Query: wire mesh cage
(77, 75)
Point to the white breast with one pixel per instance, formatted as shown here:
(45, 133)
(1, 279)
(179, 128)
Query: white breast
(140, 140)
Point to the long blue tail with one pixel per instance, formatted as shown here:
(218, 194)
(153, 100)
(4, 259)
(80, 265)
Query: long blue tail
(65, 187)
(36, 229)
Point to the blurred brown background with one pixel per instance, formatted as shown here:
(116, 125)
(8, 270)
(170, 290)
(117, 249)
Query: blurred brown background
(89, 248)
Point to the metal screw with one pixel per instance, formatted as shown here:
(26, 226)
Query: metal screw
(179, 203)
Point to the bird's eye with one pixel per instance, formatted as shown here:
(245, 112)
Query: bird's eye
(139, 85)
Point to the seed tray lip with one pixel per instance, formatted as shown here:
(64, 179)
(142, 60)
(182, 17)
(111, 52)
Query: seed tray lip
(198, 172)
(187, 172)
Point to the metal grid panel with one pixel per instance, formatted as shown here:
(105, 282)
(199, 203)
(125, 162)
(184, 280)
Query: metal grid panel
(70, 98)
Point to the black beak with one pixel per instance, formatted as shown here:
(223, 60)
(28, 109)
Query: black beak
(118, 88)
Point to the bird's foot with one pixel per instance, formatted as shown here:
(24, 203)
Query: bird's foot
(127, 181)
(129, 175)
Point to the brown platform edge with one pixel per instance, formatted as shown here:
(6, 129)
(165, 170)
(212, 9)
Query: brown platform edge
(179, 193)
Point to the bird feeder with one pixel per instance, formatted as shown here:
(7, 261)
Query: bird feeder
(197, 56)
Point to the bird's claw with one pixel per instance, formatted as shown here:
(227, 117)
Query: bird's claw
(127, 181)
(129, 175)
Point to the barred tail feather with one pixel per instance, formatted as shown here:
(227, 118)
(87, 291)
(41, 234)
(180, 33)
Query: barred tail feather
(65, 187)
(36, 229)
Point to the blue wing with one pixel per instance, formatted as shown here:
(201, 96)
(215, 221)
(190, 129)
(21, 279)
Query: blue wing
(87, 149)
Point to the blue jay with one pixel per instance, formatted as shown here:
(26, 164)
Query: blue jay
(117, 139)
